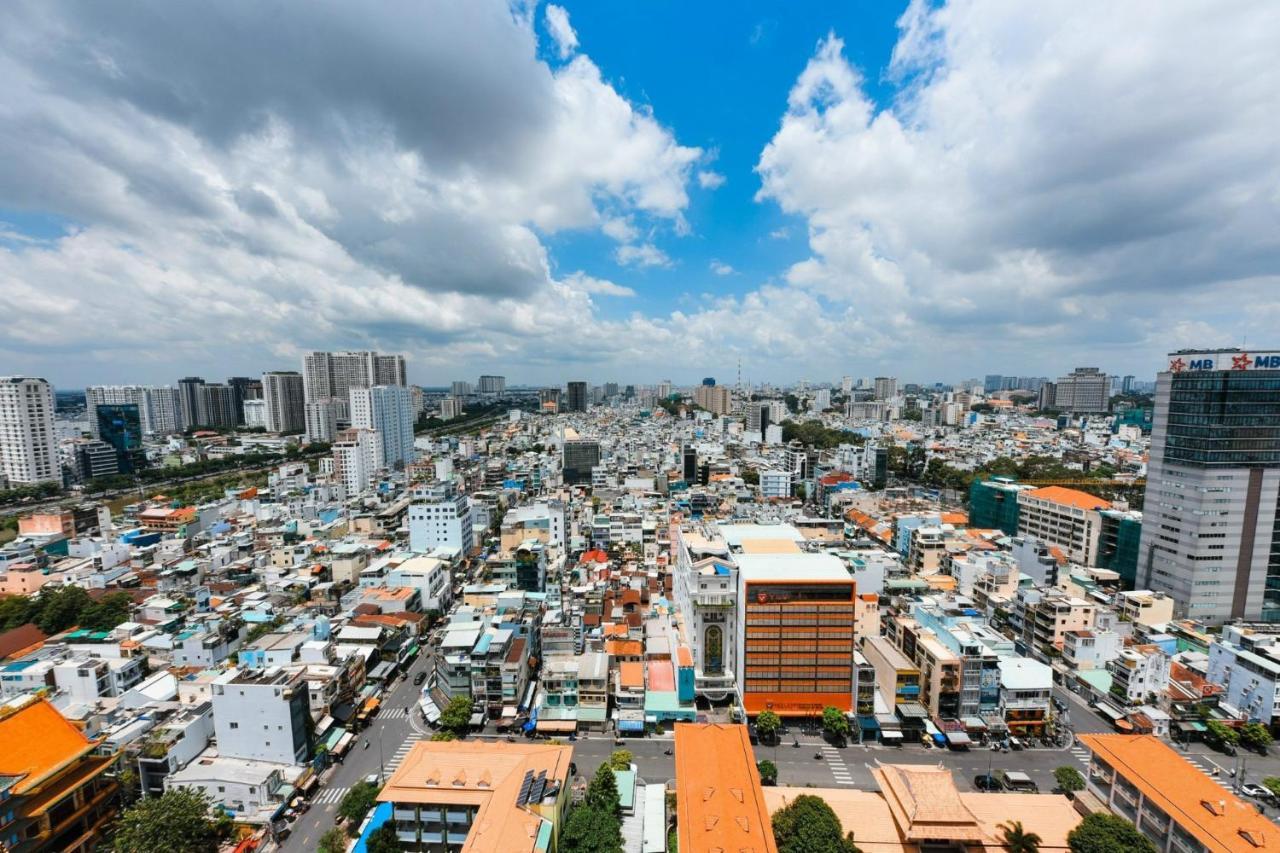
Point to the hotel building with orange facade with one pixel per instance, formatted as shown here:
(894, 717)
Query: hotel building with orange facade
(796, 616)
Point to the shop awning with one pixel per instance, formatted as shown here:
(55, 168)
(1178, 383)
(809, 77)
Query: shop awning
(974, 724)
(890, 734)
(1107, 711)
(630, 725)
(958, 739)
(508, 712)
(558, 726)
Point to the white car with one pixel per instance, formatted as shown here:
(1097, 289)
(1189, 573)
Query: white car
(1257, 791)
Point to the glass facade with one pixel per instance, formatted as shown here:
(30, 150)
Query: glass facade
(1224, 418)
(120, 426)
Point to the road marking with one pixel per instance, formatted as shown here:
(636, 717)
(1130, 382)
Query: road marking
(331, 795)
(395, 713)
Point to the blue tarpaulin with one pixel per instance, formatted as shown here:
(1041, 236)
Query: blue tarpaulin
(533, 721)
(630, 725)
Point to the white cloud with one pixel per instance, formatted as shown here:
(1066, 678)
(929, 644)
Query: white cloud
(589, 284)
(782, 233)
(1049, 180)
(225, 222)
(720, 267)
(643, 255)
(709, 180)
(558, 25)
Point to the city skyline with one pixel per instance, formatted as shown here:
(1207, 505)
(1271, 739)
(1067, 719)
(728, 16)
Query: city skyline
(880, 188)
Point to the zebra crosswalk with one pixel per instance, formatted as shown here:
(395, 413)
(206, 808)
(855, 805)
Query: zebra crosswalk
(401, 751)
(330, 796)
(394, 713)
(838, 768)
(1081, 754)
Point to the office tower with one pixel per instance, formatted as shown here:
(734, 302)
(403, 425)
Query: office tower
(1084, 390)
(758, 417)
(189, 401)
(244, 388)
(576, 399)
(95, 459)
(284, 392)
(255, 414)
(460, 388)
(664, 389)
(159, 407)
(389, 370)
(218, 403)
(846, 385)
(387, 409)
(1126, 385)
(629, 393)
(493, 384)
(689, 459)
(1048, 393)
(321, 418)
(610, 390)
(120, 425)
(28, 442)
(579, 458)
(357, 457)
(714, 398)
(795, 638)
(886, 387)
(822, 399)
(549, 400)
(992, 383)
(334, 374)
(1211, 525)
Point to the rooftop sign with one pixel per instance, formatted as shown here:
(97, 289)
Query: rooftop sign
(1182, 362)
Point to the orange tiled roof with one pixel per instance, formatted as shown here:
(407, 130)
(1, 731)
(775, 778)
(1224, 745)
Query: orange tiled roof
(1070, 497)
(631, 674)
(35, 741)
(719, 801)
(1218, 819)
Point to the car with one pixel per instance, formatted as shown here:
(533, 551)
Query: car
(419, 678)
(987, 782)
(371, 779)
(1256, 791)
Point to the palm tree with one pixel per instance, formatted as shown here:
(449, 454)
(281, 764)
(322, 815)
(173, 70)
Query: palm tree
(1017, 840)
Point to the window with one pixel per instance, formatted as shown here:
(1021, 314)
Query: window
(235, 725)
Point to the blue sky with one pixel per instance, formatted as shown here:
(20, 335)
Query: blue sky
(935, 190)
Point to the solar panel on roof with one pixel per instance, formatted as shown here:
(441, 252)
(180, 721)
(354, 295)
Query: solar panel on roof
(538, 788)
(523, 796)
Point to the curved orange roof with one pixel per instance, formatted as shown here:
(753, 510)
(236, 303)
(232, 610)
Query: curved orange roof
(35, 741)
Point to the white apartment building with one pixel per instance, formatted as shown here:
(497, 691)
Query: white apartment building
(440, 517)
(1138, 673)
(357, 457)
(255, 413)
(28, 441)
(429, 575)
(389, 410)
(706, 592)
(321, 420)
(1064, 517)
(775, 484)
(334, 374)
(1246, 661)
(262, 715)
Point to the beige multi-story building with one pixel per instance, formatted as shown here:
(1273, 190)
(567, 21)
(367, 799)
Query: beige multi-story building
(1064, 517)
(716, 399)
(28, 442)
(357, 456)
(1145, 607)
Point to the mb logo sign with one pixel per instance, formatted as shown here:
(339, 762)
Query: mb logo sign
(1224, 361)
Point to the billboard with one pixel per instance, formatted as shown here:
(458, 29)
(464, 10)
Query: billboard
(1183, 362)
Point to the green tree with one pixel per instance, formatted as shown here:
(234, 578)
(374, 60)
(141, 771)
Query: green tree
(60, 608)
(456, 716)
(177, 820)
(1069, 779)
(16, 611)
(1255, 736)
(1107, 833)
(768, 724)
(621, 759)
(1272, 784)
(808, 825)
(835, 723)
(356, 804)
(384, 840)
(1221, 733)
(106, 614)
(333, 841)
(768, 772)
(602, 792)
(589, 830)
(1018, 840)
(443, 736)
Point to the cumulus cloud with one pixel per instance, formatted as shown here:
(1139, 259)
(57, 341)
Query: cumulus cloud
(1047, 179)
(239, 190)
(589, 284)
(720, 267)
(642, 255)
(709, 180)
(561, 31)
